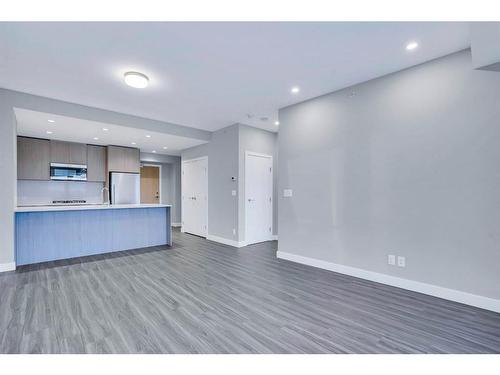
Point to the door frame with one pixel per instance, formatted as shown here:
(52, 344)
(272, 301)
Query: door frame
(258, 154)
(184, 162)
(159, 176)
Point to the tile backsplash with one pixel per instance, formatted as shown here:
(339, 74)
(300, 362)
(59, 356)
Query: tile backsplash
(44, 192)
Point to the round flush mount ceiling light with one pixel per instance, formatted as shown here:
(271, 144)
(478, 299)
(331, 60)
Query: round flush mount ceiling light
(295, 90)
(136, 80)
(276, 123)
(165, 147)
(411, 46)
(51, 121)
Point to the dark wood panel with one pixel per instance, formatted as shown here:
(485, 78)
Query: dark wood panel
(204, 297)
(33, 159)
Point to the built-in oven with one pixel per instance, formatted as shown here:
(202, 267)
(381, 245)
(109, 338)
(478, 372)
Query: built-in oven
(68, 172)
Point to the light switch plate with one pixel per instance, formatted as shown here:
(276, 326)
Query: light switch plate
(287, 193)
(401, 262)
(391, 260)
(233, 193)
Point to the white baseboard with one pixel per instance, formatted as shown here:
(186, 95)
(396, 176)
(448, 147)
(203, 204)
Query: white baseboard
(4, 267)
(226, 241)
(176, 225)
(416, 286)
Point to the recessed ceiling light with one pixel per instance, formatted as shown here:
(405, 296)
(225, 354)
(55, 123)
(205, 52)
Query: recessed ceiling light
(133, 143)
(411, 46)
(165, 147)
(148, 136)
(295, 90)
(154, 151)
(276, 123)
(136, 79)
(96, 138)
(51, 120)
(105, 129)
(48, 132)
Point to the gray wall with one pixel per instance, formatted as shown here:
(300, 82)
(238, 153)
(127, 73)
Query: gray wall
(226, 158)
(407, 166)
(8, 171)
(170, 180)
(263, 142)
(222, 152)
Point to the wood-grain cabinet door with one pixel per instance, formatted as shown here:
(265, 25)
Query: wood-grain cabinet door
(96, 163)
(116, 159)
(77, 153)
(132, 161)
(59, 152)
(33, 159)
(123, 159)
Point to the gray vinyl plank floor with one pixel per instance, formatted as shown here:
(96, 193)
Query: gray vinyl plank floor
(203, 297)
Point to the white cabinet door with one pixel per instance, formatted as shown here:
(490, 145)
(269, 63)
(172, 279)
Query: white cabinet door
(258, 197)
(194, 196)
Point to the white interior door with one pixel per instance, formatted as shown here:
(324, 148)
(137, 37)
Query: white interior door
(194, 196)
(258, 197)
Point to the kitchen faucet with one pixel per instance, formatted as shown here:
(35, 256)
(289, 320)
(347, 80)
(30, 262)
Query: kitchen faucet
(105, 201)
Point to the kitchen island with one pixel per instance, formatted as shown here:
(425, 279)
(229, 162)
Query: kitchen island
(46, 233)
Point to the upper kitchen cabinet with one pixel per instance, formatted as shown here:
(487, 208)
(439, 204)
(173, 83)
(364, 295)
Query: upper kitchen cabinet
(123, 159)
(33, 159)
(68, 152)
(96, 163)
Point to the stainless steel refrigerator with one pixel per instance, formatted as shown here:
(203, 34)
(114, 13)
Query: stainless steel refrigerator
(125, 188)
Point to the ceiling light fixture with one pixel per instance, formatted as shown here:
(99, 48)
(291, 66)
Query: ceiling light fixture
(165, 147)
(295, 90)
(411, 46)
(154, 151)
(48, 132)
(133, 143)
(136, 80)
(148, 136)
(105, 129)
(51, 121)
(96, 138)
(276, 123)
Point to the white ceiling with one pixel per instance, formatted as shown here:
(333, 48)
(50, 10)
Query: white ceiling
(36, 124)
(211, 75)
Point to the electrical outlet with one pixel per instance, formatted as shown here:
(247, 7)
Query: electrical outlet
(401, 262)
(287, 193)
(391, 260)
(233, 193)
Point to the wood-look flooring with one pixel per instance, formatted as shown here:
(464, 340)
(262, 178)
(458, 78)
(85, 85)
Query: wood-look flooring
(204, 297)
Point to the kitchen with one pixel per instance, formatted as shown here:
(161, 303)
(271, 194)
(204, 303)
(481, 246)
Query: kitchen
(76, 199)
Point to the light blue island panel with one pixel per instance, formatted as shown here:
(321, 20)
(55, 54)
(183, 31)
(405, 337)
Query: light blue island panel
(52, 235)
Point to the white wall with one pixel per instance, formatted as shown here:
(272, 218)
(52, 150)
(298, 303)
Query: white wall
(408, 166)
(30, 192)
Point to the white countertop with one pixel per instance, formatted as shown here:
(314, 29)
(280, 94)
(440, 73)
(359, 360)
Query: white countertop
(82, 207)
